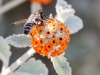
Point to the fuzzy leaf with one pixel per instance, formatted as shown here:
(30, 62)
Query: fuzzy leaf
(64, 10)
(74, 24)
(19, 40)
(32, 67)
(5, 52)
(61, 65)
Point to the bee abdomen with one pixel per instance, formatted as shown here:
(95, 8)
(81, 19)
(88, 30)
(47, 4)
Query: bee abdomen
(28, 27)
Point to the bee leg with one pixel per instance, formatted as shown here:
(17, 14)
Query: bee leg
(44, 16)
(31, 35)
(37, 26)
(38, 20)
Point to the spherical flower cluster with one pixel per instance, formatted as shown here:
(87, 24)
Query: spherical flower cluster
(50, 38)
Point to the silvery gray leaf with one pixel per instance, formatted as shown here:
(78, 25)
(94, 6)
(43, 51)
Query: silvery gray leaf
(20, 40)
(32, 67)
(61, 65)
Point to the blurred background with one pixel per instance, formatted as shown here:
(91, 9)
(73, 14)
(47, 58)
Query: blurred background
(83, 52)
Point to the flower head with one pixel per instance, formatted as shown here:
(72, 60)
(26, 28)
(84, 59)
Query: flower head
(53, 38)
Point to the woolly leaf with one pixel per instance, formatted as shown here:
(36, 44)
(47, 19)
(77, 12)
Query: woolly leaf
(19, 40)
(61, 65)
(74, 24)
(5, 52)
(32, 67)
(64, 10)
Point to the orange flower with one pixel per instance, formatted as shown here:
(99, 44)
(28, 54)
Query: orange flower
(41, 42)
(67, 40)
(40, 30)
(48, 47)
(51, 23)
(48, 33)
(54, 41)
(60, 39)
(43, 2)
(38, 49)
(44, 51)
(61, 28)
(35, 42)
(63, 45)
(59, 53)
(33, 31)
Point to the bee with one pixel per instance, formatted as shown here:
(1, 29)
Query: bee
(34, 19)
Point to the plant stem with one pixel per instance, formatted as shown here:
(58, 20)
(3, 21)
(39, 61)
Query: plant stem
(13, 3)
(35, 6)
(18, 62)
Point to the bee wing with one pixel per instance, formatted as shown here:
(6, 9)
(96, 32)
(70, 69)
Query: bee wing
(20, 21)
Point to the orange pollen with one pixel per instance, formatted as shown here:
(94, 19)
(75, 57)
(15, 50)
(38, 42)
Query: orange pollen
(53, 38)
